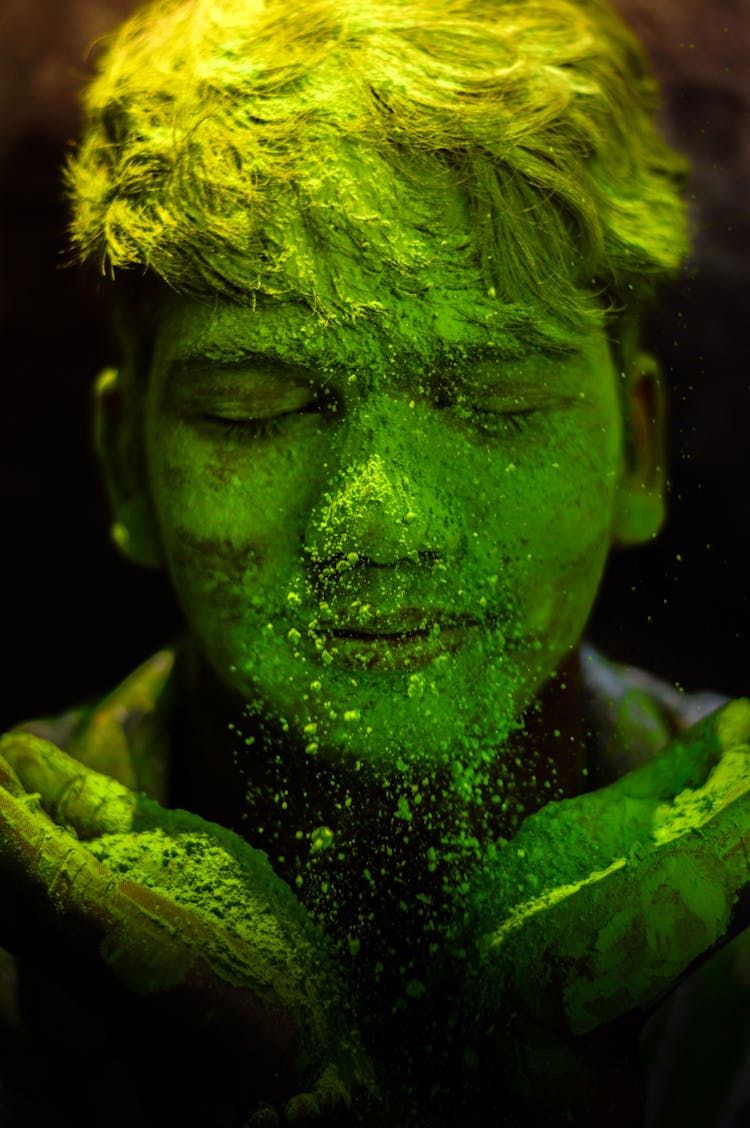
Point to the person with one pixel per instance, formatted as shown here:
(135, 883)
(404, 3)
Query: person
(379, 840)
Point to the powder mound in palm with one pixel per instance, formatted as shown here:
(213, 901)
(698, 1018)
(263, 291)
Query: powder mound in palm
(694, 807)
(571, 842)
(639, 907)
(237, 897)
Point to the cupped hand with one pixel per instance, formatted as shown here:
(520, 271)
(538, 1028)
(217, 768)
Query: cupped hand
(183, 927)
(601, 904)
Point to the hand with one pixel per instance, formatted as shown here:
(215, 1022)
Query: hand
(181, 926)
(601, 905)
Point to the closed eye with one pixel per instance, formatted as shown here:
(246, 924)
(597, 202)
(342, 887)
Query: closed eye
(260, 427)
(503, 422)
(497, 421)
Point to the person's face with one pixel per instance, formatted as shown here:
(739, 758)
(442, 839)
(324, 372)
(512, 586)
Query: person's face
(385, 536)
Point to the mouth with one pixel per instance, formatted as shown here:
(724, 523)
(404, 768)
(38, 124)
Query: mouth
(408, 639)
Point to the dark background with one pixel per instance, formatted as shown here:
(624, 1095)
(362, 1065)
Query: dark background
(76, 618)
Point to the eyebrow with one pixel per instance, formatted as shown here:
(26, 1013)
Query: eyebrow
(472, 363)
(196, 366)
(191, 363)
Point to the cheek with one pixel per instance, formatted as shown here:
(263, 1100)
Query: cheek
(213, 577)
(553, 520)
(226, 494)
(565, 593)
(558, 499)
(228, 524)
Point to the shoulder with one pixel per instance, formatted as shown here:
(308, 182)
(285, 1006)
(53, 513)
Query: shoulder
(635, 714)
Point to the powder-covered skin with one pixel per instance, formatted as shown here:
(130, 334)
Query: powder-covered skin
(386, 533)
(353, 473)
(553, 941)
(728, 780)
(182, 919)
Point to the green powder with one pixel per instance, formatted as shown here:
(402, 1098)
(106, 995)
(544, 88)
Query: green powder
(601, 934)
(693, 807)
(255, 934)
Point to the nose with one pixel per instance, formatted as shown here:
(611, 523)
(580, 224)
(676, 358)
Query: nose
(382, 507)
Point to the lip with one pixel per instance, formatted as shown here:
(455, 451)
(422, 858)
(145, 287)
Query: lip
(408, 639)
(404, 621)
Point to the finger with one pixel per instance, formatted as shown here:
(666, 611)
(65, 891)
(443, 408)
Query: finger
(566, 841)
(688, 759)
(74, 796)
(10, 781)
(330, 1091)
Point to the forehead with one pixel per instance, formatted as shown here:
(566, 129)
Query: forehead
(375, 273)
(382, 252)
(414, 343)
(357, 228)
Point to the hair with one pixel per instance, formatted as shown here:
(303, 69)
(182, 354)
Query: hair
(208, 120)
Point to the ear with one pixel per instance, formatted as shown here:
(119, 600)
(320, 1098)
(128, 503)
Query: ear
(119, 443)
(639, 503)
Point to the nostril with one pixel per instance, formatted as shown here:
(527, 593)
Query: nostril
(428, 557)
(340, 563)
(353, 565)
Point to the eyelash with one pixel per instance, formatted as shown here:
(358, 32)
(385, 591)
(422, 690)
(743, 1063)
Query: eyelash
(493, 423)
(516, 421)
(253, 428)
(242, 428)
(499, 424)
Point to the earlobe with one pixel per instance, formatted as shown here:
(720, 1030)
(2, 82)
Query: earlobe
(639, 503)
(118, 439)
